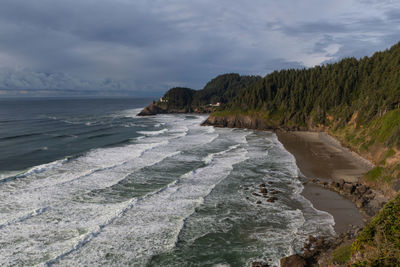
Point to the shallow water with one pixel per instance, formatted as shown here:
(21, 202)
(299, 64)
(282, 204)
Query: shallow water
(116, 189)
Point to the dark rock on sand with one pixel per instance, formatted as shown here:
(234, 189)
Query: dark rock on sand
(367, 200)
(272, 199)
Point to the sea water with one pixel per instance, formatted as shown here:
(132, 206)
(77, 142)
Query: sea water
(86, 182)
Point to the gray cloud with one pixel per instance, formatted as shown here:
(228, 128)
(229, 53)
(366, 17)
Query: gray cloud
(121, 45)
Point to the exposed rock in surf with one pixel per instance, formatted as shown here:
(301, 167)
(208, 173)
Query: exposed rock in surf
(264, 190)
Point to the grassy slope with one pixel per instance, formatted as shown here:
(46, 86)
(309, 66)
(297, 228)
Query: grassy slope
(379, 242)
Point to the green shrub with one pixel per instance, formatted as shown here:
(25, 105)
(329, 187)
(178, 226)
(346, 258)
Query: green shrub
(374, 174)
(379, 242)
(342, 254)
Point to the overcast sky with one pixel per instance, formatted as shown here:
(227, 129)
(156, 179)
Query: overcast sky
(144, 47)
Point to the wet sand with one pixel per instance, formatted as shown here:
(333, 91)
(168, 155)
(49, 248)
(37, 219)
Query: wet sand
(320, 156)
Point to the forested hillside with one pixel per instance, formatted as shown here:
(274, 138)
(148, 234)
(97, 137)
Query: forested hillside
(221, 89)
(331, 93)
(357, 101)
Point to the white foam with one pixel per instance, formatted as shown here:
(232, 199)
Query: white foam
(50, 206)
(209, 158)
(153, 132)
(129, 113)
(152, 224)
(44, 167)
(9, 174)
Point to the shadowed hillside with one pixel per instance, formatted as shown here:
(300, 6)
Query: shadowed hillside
(218, 91)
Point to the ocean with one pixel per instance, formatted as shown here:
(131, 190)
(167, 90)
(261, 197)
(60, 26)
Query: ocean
(86, 182)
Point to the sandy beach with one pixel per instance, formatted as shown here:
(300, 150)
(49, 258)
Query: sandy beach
(320, 156)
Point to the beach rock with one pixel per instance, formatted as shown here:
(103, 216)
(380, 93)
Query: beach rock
(255, 194)
(258, 202)
(261, 185)
(360, 203)
(348, 188)
(273, 192)
(361, 189)
(293, 261)
(272, 199)
(270, 182)
(341, 183)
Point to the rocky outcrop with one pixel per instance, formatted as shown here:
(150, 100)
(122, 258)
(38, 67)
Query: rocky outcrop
(293, 261)
(369, 201)
(317, 251)
(238, 121)
(245, 121)
(152, 109)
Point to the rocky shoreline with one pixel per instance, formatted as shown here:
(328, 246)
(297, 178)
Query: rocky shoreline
(318, 251)
(367, 200)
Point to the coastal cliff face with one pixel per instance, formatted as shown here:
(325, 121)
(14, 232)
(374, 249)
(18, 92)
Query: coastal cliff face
(248, 122)
(238, 121)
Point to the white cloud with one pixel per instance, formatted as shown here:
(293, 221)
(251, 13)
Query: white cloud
(150, 45)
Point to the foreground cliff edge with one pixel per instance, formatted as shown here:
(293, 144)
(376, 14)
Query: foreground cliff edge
(355, 101)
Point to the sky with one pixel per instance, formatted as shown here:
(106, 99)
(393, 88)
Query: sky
(144, 47)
